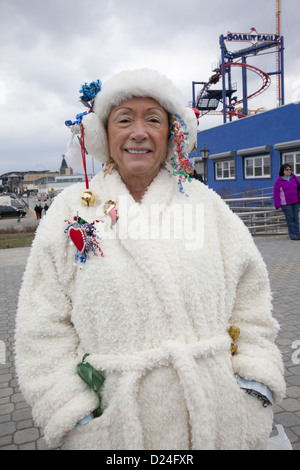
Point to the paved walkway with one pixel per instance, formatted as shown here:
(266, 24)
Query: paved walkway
(282, 256)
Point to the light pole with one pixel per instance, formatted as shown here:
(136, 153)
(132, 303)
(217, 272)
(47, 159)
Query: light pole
(204, 154)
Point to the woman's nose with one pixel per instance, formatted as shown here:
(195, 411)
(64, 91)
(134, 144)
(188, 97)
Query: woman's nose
(139, 131)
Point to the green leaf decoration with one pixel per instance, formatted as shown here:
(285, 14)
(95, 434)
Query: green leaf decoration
(93, 379)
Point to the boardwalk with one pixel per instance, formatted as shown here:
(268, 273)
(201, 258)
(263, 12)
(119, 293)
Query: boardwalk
(282, 256)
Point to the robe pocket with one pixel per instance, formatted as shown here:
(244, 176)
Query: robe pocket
(95, 435)
(256, 422)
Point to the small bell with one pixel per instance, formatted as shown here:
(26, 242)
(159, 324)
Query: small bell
(88, 198)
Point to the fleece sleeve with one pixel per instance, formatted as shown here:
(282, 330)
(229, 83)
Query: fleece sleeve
(276, 195)
(45, 347)
(257, 357)
(248, 288)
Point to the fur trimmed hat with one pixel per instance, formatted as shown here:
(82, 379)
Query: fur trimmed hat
(125, 85)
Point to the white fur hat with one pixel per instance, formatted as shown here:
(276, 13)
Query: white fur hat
(121, 87)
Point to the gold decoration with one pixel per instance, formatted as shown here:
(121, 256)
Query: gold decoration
(88, 198)
(234, 332)
(194, 148)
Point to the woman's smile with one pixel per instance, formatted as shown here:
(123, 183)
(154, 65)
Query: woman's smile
(137, 151)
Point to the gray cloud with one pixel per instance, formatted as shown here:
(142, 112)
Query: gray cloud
(48, 49)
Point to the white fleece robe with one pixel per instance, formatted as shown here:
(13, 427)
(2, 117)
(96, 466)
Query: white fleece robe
(153, 314)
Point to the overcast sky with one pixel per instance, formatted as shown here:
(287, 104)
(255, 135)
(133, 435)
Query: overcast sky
(49, 48)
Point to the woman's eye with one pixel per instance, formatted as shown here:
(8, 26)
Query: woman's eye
(155, 120)
(123, 120)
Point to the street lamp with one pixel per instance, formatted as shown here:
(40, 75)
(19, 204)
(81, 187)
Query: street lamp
(204, 154)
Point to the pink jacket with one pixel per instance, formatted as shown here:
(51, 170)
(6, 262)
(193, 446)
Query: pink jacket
(285, 192)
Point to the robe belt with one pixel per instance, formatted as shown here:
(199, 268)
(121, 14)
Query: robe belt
(160, 356)
(182, 357)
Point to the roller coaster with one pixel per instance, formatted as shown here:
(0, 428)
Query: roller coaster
(208, 98)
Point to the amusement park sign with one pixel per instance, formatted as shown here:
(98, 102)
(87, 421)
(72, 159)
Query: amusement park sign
(254, 37)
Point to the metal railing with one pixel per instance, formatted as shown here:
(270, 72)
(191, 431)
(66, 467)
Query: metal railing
(258, 214)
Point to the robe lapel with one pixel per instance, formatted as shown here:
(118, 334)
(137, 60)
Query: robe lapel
(138, 234)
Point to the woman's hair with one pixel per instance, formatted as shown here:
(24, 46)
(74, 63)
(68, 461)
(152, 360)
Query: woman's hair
(283, 167)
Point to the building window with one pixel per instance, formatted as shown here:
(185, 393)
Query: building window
(293, 158)
(69, 180)
(225, 170)
(257, 167)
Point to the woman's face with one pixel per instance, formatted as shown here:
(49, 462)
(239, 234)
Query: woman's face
(287, 171)
(138, 132)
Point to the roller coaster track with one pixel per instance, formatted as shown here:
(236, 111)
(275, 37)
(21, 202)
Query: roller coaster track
(266, 81)
(264, 76)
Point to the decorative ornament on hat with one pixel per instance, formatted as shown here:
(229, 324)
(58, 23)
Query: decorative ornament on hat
(89, 92)
(180, 161)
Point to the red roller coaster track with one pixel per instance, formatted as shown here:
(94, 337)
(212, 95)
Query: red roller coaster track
(266, 81)
(264, 76)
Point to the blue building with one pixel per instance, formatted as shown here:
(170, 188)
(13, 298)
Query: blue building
(246, 154)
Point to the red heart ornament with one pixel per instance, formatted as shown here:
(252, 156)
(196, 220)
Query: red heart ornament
(78, 237)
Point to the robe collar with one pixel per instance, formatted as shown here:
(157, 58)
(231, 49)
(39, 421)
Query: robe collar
(148, 254)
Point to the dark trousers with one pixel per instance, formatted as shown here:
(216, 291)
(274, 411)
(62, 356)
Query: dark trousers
(291, 212)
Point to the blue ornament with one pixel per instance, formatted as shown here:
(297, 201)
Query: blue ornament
(90, 90)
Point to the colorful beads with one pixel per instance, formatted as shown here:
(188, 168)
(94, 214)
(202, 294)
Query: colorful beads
(180, 161)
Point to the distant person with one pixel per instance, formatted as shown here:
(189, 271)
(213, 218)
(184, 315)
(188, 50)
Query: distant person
(37, 211)
(40, 210)
(286, 197)
(46, 207)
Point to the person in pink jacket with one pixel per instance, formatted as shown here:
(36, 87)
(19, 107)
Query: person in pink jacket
(286, 196)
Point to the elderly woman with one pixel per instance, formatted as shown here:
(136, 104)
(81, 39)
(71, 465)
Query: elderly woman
(168, 277)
